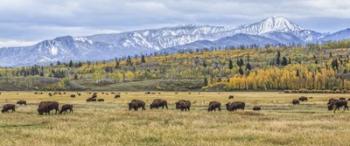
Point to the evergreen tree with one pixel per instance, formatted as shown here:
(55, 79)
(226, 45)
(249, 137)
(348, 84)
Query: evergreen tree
(230, 64)
(143, 60)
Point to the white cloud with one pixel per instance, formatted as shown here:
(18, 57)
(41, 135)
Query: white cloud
(13, 43)
(40, 19)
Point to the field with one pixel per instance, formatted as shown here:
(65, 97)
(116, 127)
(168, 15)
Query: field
(110, 123)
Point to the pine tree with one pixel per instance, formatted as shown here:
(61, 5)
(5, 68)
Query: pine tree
(143, 60)
(230, 64)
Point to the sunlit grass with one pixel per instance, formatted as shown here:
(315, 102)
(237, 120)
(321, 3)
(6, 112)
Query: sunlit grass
(110, 123)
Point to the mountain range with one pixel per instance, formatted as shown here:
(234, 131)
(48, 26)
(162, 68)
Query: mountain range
(273, 31)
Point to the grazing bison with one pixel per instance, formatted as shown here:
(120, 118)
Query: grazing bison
(214, 105)
(295, 101)
(231, 97)
(302, 98)
(256, 108)
(8, 107)
(91, 99)
(117, 96)
(342, 98)
(232, 106)
(183, 105)
(94, 95)
(100, 100)
(22, 102)
(72, 96)
(136, 104)
(66, 107)
(331, 100)
(157, 103)
(47, 106)
(337, 104)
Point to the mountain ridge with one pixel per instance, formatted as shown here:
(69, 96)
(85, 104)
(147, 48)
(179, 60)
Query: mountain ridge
(272, 30)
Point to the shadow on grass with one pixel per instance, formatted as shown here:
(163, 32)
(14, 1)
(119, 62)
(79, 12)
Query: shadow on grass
(23, 125)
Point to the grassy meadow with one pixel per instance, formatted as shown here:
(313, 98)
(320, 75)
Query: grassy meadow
(110, 122)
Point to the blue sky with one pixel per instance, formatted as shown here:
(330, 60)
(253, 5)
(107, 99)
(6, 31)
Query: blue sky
(24, 22)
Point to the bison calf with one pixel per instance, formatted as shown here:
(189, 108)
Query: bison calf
(66, 107)
(214, 105)
(183, 105)
(8, 107)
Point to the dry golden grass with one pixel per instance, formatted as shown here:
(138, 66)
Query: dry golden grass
(110, 123)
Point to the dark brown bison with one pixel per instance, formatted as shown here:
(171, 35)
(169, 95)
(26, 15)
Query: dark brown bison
(256, 108)
(22, 102)
(231, 97)
(47, 106)
(183, 105)
(232, 106)
(136, 104)
(331, 100)
(117, 96)
(72, 96)
(8, 107)
(214, 105)
(295, 101)
(157, 103)
(94, 95)
(66, 107)
(337, 104)
(91, 99)
(302, 98)
(100, 100)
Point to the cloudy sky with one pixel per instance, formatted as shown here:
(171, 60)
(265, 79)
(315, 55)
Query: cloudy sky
(24, 22)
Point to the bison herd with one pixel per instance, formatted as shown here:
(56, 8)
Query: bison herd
(46, 107)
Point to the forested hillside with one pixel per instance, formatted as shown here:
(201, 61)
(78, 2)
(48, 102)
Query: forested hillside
(313, 67)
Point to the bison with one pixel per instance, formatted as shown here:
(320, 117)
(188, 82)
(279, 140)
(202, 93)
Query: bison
(136, 104)
(183, 105)
(117, 96)
(47, 106)
(91, 99)
(66, 107)
(232, 106)
(256, 108)
(22, 102)
(214, 105)
(302, 98)
(231, 97)
(337, 104)
(157, 103)
(100, 100)
(8, 107)
(72, 96)
(295, 101)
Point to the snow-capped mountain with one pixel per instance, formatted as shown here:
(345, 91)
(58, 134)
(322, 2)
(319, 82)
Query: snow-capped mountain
(272, 24)
(273, 30)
